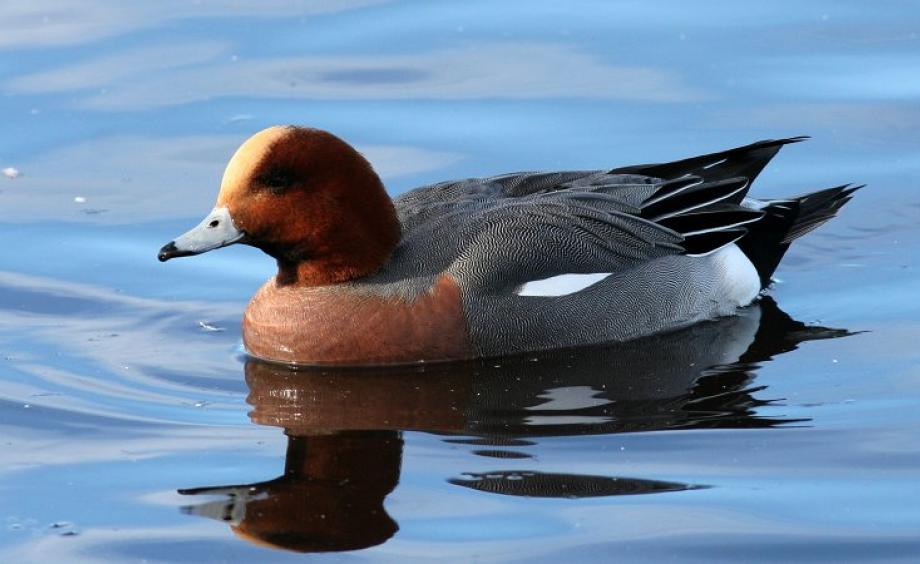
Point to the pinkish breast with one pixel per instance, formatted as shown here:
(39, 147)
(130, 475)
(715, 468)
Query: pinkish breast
(333, 325)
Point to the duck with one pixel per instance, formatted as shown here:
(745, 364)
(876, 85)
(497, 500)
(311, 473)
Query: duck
(492, 266)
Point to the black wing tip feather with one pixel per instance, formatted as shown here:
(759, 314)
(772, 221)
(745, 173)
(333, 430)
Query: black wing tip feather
(706, 215)
(746, 160)
(711, 241)
(667, 202)
(790, 140)
(763, 143)
(701, 221)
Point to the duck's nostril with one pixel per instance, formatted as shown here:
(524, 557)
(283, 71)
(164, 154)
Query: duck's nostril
(214, 223)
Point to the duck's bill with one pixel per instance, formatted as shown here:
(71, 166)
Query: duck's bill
(215, 231)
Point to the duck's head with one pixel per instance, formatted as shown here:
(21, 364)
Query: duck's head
(304, 197)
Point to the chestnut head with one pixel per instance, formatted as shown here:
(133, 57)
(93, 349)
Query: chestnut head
(306, 198)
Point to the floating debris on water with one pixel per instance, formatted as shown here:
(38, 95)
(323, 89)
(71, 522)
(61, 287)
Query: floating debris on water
(11, 172)
(209, 327)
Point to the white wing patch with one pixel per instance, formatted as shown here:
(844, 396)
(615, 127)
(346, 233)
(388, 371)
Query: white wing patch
(561, 285)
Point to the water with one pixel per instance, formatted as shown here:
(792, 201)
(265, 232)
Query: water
(134, 429)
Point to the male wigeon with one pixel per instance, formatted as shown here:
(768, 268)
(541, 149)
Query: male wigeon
(492, 266)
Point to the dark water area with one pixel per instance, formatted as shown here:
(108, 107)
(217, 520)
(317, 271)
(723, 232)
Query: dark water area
(135, 429)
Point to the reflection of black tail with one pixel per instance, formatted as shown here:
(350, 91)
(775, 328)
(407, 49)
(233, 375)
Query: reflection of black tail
(724, 392)
(786, 220)
(527, 483)
(778, 333)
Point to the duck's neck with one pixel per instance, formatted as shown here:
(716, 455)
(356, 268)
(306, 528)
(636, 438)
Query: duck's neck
(359, 248)
(324, 272)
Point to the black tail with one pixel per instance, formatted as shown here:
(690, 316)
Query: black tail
(784, 221)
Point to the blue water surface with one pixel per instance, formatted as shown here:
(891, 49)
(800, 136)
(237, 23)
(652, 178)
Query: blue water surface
(134, 429)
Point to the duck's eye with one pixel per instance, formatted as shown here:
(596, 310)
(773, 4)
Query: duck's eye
(276, 179)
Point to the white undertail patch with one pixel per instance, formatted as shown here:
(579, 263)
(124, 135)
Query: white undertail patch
(741, 284)
(561, 285)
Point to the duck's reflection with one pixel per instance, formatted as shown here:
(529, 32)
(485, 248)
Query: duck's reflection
(343, 426)
(330, 497)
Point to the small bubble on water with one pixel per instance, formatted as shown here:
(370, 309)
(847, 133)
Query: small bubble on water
(11, 172)
(79, 200)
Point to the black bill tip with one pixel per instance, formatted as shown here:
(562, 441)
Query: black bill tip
(170, 251)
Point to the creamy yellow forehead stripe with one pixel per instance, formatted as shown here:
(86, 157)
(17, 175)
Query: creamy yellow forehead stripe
(246, 159)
